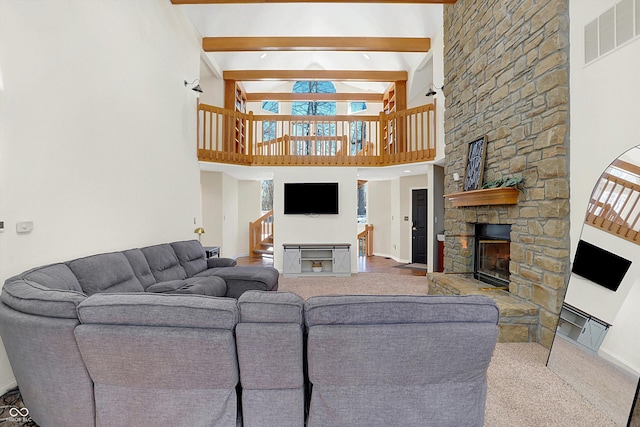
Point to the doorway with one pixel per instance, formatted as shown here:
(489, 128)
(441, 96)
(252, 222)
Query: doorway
(419, 226)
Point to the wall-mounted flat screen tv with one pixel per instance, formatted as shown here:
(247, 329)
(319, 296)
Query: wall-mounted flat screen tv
(311, 198)
(599, 266)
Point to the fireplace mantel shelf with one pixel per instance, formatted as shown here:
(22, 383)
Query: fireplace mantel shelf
(484, 197)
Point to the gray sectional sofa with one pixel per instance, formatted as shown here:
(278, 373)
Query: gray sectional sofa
(118, 356)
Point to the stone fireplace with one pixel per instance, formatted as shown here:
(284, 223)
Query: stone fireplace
(506, 77)
(492, 249)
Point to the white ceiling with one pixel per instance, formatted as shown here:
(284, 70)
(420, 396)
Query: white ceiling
(315, 19)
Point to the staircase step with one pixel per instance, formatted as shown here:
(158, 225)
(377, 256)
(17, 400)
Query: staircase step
(267, 245)
(263, 252)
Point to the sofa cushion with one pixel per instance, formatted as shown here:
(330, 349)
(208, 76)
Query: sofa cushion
(211, 286)
(377, 309)
(54, 276)
(140, 267)
(270, 307)
(34, 298)
(145, 309)
(191, 256)
(374, 360)
(164, 263)
(160, 360)
(221, 262)
(109, 272)
(243, 278)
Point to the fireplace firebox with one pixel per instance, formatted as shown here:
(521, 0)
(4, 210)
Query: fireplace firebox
(492, 248)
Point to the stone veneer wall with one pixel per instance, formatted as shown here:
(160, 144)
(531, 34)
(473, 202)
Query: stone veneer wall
(507, 77)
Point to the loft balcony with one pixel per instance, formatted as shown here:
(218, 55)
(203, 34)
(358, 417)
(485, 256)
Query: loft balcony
(394, 138)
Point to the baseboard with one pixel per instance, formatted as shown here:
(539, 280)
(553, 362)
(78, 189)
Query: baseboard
(618, 362)
(240, 256)
(8, 386)
(396, 259)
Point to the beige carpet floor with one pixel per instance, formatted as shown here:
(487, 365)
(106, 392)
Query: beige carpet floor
(605, 385)
(357, 284)
(522, 391)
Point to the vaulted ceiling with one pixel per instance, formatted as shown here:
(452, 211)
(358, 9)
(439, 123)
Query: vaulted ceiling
(360, 41)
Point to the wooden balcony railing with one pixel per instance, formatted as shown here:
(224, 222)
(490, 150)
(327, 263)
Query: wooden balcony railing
(226, 136)
(615, 207)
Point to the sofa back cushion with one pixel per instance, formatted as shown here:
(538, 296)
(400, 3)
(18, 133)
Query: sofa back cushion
(170, 310)
(105, 273)
(34, 298)
(160, 359)
(271, 329)
(54, 276)
(164, 263)
(399, 360)
(140, 267)
(191, 255)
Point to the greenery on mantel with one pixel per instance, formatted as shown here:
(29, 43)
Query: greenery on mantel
(515, 182)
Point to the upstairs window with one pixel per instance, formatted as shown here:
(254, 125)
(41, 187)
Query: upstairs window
(357, 106)
(269, 126)
(272, 106)
(304, 128)
(313, 108)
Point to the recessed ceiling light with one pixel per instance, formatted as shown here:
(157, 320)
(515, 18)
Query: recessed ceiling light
(407, 171)
(264, 55)
(366, 56)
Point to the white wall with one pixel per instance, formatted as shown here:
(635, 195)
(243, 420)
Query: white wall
(229, 216)
(228, 205)
(341, 228)
(604, 124)
(97, 131)
(604, 108)
(212, 222)
(379, 215)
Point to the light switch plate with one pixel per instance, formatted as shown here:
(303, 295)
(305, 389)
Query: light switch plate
(24, 227)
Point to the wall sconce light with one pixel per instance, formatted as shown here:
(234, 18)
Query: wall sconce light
(199, 231)
(432, 90)
(197, 87)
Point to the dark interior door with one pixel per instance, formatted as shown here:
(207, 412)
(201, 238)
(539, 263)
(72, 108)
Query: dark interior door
(419, 228)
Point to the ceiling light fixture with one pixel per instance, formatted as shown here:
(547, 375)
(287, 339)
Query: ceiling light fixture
(195, 88)
(366, 56)
(264, 55)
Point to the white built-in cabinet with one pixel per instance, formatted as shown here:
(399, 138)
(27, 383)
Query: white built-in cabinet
(330, 259)
(582, 328)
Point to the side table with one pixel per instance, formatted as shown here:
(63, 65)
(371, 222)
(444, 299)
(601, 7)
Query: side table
(212, 251)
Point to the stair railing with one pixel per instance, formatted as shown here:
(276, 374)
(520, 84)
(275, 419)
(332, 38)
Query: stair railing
(365, 241)
(260, 231)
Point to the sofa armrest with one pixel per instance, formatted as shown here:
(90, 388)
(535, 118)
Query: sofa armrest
(221, 262)
(33, 298)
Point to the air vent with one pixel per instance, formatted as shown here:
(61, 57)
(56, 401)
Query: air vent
(611, 29)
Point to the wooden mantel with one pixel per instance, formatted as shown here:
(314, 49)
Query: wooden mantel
(485, 197)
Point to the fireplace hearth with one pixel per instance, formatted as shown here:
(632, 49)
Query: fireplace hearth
(492, 249)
